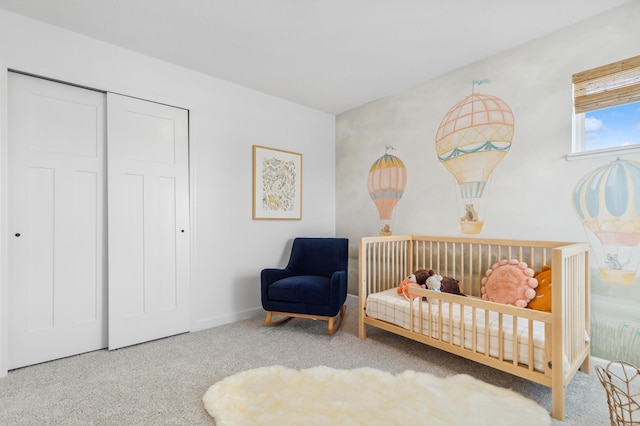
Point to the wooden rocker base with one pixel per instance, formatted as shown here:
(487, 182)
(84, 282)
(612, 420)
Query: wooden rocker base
(332, 326)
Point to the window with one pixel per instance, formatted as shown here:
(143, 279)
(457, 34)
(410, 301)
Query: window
(607, 107)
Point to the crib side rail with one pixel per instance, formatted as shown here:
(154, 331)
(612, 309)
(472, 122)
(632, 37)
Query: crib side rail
(433, 325)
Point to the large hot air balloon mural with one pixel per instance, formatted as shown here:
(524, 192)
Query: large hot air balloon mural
(607, 201)
(473, 137)
(387, 180)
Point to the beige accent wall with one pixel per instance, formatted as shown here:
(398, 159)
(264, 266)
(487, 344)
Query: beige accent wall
(530, 193)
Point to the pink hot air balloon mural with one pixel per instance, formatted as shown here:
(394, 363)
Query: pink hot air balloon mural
(473, 137)
(387, 180)
(607, 201)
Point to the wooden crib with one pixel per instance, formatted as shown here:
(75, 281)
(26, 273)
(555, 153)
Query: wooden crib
(465, 325)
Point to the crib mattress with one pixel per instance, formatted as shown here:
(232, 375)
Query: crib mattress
(394, 308)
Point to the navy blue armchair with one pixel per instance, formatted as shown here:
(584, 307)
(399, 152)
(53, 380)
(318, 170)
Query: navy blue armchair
(313, 285)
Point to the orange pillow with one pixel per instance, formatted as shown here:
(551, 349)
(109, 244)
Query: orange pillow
(542, 301)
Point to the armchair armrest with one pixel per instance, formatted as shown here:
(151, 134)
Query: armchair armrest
(338, 290)
(269, 276)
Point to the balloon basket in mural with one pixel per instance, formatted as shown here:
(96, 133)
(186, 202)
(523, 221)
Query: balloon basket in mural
(617, 258)
(617, 276)
(616, 263)
(385, 228)
(471, 210)
(471, 227)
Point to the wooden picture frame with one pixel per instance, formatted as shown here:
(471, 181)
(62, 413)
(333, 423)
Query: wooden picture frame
(277, 184)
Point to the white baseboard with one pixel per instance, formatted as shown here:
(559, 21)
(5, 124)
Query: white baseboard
(210, 322)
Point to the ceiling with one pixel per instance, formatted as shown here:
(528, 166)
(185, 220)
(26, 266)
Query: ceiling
(330, 55)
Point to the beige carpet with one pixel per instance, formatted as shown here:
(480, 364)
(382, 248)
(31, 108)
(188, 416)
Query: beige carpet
(365, 396)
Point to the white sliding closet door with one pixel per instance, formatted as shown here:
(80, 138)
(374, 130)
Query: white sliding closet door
(148, 220)
(65, 295)
(57, 294)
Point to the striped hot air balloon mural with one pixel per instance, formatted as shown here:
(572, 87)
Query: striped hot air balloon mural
(607, 201)
(387, 181)
(473, 137)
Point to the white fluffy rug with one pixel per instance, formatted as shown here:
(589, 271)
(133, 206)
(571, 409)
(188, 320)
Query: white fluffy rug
(325, 396)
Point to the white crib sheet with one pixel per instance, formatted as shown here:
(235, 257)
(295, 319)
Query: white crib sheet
(394, 308)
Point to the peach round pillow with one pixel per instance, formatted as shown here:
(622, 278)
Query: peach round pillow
(510, 282)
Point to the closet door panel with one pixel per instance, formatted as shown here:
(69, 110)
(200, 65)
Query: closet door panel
(129, 230)
(88, 235)
(148, 221)
(57, 287)
(169, 284)
(40, 282)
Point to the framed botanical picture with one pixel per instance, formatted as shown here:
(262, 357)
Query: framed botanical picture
(277, 184)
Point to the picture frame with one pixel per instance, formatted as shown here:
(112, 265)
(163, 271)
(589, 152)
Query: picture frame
(277, 184)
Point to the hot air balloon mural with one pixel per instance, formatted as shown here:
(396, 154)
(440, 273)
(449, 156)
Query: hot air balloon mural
(387, 180)
(607, 201)
(473, 137)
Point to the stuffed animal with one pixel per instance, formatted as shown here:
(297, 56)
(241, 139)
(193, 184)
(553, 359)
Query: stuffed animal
(542, 300)
(510, 282)
(434, 282)
(403, 288)
(451, 285)
(420, 278)
(447, 284)
(422, 275)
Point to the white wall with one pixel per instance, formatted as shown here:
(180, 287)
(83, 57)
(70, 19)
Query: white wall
(228, 248)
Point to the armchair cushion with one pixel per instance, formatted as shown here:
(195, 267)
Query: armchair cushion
(312, 289)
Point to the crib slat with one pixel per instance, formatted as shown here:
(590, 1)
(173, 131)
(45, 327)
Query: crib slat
(462, 324)
(500, 337)
(530, 344)
(514, 340)
(487, 333)
(439, 320)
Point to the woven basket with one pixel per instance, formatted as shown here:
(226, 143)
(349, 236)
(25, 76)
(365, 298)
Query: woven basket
(621, 380)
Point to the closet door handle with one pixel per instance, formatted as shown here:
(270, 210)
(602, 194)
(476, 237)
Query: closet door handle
(17, 234)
